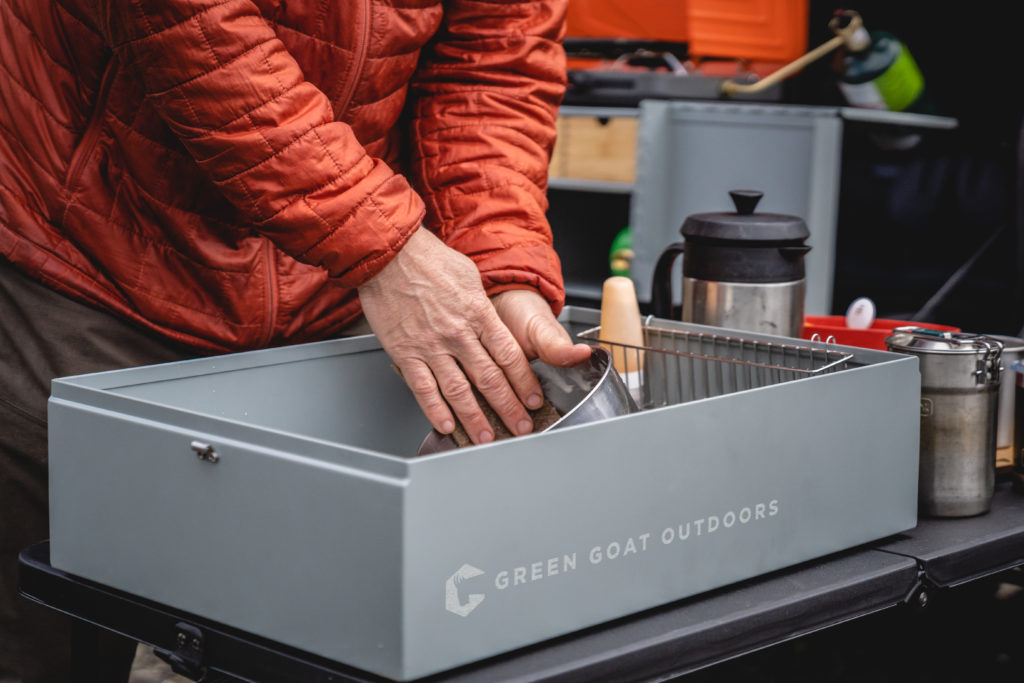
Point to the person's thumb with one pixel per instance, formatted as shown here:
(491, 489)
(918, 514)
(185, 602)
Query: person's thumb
(553, 344)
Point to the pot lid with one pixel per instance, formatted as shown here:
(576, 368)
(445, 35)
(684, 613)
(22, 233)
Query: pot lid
(744, 225)
(922, 340)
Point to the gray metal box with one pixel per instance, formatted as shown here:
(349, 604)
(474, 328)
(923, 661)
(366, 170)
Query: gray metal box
(317, 527)
(691, 153)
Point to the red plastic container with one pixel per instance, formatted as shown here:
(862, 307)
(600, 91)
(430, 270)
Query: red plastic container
(756, 30)
(871, 338)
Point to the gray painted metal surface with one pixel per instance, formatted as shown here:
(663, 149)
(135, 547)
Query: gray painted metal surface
(317, 528)
(690, 154)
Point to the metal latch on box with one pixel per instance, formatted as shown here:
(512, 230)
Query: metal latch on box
(204, 451)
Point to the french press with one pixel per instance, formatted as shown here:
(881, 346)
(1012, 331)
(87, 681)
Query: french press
(741, 270)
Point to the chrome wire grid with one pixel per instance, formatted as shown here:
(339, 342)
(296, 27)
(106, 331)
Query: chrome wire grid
(676, 366)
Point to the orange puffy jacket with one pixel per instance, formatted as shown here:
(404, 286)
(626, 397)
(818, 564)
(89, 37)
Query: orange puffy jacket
(226, 172)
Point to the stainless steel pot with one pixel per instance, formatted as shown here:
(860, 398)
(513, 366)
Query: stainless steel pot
(960, 376)
(589, 391)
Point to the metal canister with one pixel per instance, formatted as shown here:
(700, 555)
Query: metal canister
(1006, 433)
(1016, 378)
(960, 375)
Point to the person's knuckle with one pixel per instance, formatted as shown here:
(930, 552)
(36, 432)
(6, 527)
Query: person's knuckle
(460, 336)
(434, 405)
(478, 307)
(491, 379)
(421, 385)
(404, 352)
(507, 353)
(458, 392)
(536, 327)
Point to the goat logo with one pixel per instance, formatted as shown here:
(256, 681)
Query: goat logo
(452, 603)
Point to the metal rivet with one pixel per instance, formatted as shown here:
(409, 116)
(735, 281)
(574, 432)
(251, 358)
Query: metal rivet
(204, 451)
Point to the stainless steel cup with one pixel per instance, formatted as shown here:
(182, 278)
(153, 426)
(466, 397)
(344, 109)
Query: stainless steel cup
(960, 376)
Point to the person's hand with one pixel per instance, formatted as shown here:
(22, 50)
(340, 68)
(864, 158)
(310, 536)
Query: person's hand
(429, 311)
(529, 318)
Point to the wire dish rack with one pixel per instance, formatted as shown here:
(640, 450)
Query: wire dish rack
(675, 366)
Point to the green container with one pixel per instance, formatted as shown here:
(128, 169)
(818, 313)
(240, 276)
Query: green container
(883, 76)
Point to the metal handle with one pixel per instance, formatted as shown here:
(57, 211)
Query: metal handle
(661, 285)
(989, 366)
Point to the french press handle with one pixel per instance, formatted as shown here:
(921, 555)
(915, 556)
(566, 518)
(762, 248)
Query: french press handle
(661, 287)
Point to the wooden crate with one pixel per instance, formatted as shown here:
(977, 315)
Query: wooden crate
(590, 148)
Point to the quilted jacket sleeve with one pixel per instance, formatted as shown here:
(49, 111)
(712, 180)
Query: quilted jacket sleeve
(237, 99)
(486, 99)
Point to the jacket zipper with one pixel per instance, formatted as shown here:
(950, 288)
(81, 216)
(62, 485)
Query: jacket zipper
(268, 334)
(350, 89)
(357, 69)
(92, 130)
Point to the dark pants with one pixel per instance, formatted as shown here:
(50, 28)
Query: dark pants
(45, 335)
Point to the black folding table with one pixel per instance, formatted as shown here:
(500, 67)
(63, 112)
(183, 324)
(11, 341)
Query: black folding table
(657, 644)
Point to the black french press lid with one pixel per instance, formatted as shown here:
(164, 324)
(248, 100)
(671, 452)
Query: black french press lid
(745, 246)
(744, 225)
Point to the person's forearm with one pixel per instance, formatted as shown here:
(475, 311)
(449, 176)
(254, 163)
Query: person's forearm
(222, 81)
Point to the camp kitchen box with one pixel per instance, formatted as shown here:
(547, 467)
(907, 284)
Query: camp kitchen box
(278, 492)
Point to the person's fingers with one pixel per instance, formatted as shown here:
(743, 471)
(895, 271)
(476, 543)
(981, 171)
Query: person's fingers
(424, 387)
(502, 346)
(458, 392)
(489, 378)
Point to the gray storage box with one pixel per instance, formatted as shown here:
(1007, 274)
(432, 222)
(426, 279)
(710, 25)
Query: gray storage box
(307, 519)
